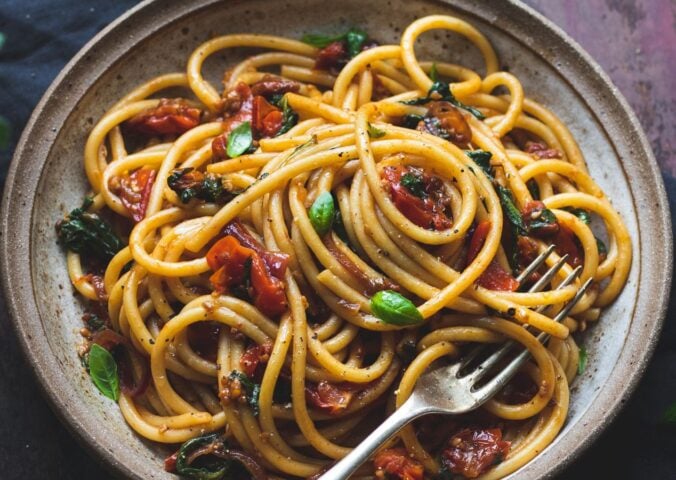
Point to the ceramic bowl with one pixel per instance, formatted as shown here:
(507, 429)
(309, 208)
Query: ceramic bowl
(46, 180)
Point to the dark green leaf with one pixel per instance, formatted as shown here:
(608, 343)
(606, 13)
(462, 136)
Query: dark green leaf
(252, 390)
(393, 308)
(442, 91)
(322, 213)
(669, 416)
(87, 234)
(513, 214)
(534, 189)
(214, 469)
(4, 133)
(375, 132)
(581, 214)
(411, 121)
(545, 220)
(243, 290)
(103, 370)
(289, 117)
(582, 362)
(189, 184)
(355, 40)
(94, 322)
(339, 226)
(212, 188)
(601, 247)
(434, 74)
(239, 140)
(414, 183)
(483, 159)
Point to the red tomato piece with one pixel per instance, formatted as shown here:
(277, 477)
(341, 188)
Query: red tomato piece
(566, 243)
(494, 277)
(427, 212)
(397, 462)
(327, 397)
(472, 452)
(268, 291)
(331, 57)
(171, 117)
(134, 191)
(253, 356)
(267, 119)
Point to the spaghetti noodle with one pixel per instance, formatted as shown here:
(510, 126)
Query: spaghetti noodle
(301, 247)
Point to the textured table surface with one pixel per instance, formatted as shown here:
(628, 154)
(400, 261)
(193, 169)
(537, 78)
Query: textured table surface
(633, 40)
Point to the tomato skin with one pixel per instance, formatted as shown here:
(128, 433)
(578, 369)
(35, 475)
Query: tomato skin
(232, 262)
(472, 452)
(253, 356)
(134, 191)
(566, 244)
(332, 57)
(330, 398)
(266, 118)
(494, 277)
(428, 212)
(171, 117)
(397, 462)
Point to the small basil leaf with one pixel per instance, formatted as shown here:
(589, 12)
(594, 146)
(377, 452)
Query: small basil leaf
(483, 159)
(355, 40)
(395, 309)
(239, 140)
(322, 213)
(581, 214)
(252, 390)
(213, 470)
(513, 214)
(544, 221)
(669, 416)
(442, 91)
(534, 189)
(320, 41)
(411, 121)
(289, 117)
(414, 183)
(582, 362)
(103, 370)
(88, 234)
(375, 132)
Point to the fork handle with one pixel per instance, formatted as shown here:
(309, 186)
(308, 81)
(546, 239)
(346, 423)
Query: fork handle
(395, 422)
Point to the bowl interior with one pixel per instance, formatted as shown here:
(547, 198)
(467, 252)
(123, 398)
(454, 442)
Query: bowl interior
(62, 184)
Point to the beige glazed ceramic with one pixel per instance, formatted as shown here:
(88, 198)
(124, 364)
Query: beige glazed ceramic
(47, 179)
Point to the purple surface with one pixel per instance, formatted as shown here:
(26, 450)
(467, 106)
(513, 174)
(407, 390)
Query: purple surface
(634, 41)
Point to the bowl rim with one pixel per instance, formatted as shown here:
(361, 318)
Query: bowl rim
(43, 125)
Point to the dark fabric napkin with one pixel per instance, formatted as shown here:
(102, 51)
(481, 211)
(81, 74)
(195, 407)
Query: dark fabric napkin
(40, 37)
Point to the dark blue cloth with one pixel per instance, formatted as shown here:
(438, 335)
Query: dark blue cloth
(41, 36)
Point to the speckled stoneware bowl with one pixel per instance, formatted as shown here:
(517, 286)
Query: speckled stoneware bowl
(46, 179)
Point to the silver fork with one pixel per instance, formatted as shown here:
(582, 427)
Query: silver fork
(455, 389)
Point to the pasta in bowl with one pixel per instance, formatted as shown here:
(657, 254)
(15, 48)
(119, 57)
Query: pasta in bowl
(271, 267)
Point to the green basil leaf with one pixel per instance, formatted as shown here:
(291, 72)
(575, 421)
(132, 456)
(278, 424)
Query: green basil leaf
(581, 214)
(252, 390)
(414, 183)
(375, 132)
(322, 213)
(320, 41)
(434, 74)
(355, 40)
(211, 470)
(88, 234)
(582, 362)
(669, 416)
(239, 140)
(4, 133)
(393, 308)
(545, 220)
(601, 247)
(442, 91)
(513, 214)
(289, 117)
(483, 159)
(103, 370)
(411, 121)
(534, 189)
